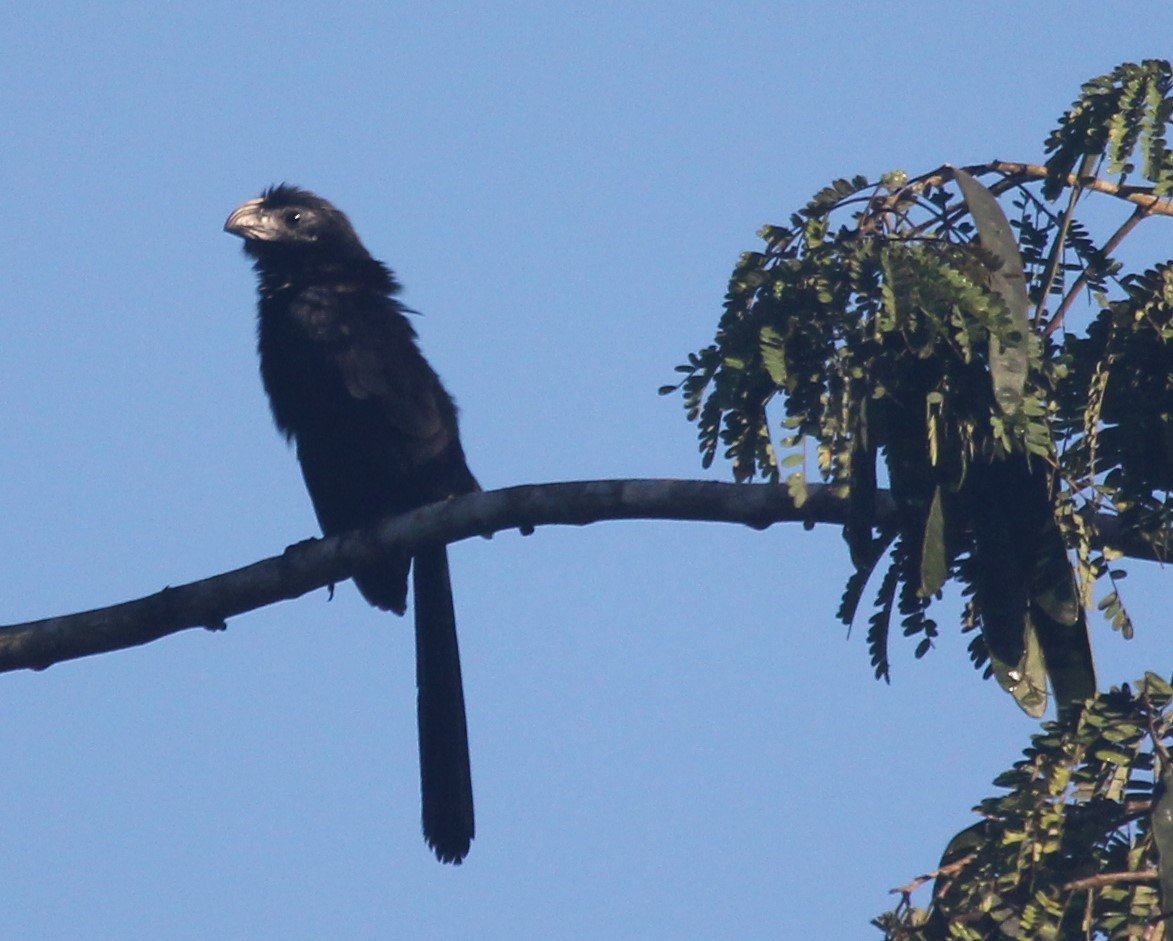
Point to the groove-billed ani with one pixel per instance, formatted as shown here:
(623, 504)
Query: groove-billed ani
(376, 435)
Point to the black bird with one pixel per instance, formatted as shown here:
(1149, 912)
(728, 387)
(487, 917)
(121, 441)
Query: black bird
(376, 435)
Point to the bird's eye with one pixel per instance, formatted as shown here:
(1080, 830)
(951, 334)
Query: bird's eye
(292, 218)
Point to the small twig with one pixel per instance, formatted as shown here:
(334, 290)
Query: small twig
(951, 869)
(1109, 246)
(1014, 173)
(1111, 878)
(1057, 250)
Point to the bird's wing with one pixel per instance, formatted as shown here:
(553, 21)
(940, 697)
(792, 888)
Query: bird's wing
(379, 362)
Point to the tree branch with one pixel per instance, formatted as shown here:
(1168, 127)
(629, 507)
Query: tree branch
(1134, 219)
(1142, 196)
(317, 563)
(1014, 172)
(1112, 878)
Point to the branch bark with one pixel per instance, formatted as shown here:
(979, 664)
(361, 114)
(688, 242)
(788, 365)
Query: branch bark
(318, 563)
(1142, 196)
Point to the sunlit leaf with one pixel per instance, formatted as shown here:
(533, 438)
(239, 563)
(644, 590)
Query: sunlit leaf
(1026, 680)
(934, 566)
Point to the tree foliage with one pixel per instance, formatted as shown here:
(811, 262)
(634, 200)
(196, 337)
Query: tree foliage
(887, 318)
(1072, 849)
(981, 350)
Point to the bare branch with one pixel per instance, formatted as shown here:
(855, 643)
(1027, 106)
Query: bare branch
(1142, 196)
(1013, 173)
(951, 869)
(317, 563)
(1112, 878)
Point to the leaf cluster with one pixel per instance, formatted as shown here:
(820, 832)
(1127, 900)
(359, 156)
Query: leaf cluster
(1120, 118)
(873, 341)
(1117, 406)
(1073, 849)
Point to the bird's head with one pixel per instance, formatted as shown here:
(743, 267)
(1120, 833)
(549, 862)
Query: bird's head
(285, 222)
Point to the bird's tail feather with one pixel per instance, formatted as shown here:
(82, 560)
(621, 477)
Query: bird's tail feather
(445, 774)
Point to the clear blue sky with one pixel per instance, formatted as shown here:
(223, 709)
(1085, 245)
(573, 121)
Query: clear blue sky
(671, 735)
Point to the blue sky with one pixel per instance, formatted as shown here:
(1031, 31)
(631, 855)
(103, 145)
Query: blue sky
(672, 737)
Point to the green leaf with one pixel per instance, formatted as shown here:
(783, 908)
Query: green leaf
(1155, 686)
(934, 567)
(1112, 757)
(1009, 348)
(773, 355)
(1026, 680)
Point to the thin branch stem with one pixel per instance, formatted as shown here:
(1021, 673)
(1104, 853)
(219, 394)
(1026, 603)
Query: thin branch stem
(1057, 249)
(951, 869)
(1140, 195)
(1110, 246)
(1111, 878)
(1014, 173)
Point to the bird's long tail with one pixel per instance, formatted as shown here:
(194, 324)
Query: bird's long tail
(445, 775)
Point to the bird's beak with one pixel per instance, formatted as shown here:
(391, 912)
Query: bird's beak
(248, 221)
